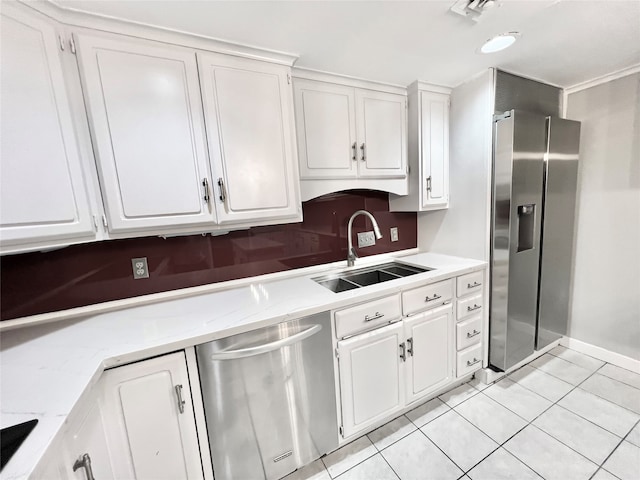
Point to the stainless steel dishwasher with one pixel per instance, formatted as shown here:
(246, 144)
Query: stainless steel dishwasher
(269, 398)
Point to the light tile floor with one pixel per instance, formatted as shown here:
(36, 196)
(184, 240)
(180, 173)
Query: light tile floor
(565, 416)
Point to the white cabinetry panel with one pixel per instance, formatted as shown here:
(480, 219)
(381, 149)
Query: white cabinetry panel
(326, 129)
(371, 379)
(435, 148)
(146, 118)
(249, 115)
(86, 436)
(430, 351)
(381, 133)
(149, 435)
(42, 192)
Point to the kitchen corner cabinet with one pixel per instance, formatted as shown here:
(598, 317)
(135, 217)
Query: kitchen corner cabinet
(143, 101)
(43, 198)
(349, 137)
(151, 428)
(85, 448)
(428, 151)
(371, 377)
(248, 108)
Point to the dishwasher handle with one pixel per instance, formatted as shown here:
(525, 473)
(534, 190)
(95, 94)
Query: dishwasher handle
(267, 347)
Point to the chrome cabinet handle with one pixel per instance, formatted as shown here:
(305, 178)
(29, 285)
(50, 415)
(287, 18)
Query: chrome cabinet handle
(364, 152)
(435, 297)
(475, 333)
(475, 284)
(354, 147)
(205, 191)
(181, 402)
(403, 353)
(475, 307)
(378, 315)
(223, 191)
(84, 462)
(429, 183)
(475, 360)
(410, 346)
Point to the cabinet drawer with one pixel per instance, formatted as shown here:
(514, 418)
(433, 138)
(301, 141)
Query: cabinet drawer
(367, 316)
(469, 360)
(469, 332)
(428, 296)
(469, 306)
(470, 283)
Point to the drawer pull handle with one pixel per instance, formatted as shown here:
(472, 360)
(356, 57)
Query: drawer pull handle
(435, 297)
(475, 360)
(378, 315)
(473, 285)
(475, 307)
(410, 346)
(403, 354)
(471, 335)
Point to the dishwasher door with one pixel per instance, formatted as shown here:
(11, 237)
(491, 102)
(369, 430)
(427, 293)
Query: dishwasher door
(269, 398)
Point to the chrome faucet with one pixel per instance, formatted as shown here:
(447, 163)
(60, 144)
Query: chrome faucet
(352, 255)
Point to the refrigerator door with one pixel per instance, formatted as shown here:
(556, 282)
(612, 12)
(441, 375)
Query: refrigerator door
(561, 177)
(519, 149)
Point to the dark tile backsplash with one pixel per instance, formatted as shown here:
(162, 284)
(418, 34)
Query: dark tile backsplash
(86, 274)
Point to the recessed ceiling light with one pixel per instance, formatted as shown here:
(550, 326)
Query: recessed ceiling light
(499, 42)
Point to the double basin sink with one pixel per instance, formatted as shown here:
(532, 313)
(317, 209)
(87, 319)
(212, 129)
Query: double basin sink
(364, 277)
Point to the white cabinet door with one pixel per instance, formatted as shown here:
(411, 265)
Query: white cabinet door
(429, 351)
(382, 133)
(326, 129)
(434, 148)
(42, 192)
(150, 434)
(371, 380)
(145, 113)
(249, 117)
(86, 436)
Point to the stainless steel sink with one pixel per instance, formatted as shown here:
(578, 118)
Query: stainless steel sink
(363, 277)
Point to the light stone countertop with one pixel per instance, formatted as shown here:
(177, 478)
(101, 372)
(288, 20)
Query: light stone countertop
(45, 370)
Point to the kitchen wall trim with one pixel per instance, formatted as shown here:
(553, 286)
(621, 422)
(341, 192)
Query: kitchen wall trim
(111, 306)
(79, 18)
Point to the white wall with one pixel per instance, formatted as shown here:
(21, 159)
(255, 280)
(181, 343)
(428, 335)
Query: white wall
(605, 307)
(463, 229)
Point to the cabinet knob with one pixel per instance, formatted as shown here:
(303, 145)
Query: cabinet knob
(84, 462)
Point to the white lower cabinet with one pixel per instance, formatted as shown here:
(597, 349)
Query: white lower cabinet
(151, 427)
(429, 351)
(86, 452)
(371, 377)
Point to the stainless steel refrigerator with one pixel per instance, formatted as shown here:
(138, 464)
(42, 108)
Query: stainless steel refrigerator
(535, 169)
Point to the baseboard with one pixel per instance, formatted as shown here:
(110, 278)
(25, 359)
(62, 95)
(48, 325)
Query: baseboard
(487, 376)
(602, 354)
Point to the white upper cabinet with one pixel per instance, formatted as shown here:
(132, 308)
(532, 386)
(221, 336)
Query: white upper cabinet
(43, 199)
(349, 136)
(145, 113)
(326, 128)
(382, 133)
(428, 150)
(248, 108)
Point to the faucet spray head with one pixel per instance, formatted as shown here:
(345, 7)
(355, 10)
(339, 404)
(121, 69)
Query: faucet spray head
(376, 230)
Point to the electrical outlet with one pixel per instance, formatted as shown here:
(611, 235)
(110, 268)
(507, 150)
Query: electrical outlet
(394, 234)
(366, 239)
(140, 268)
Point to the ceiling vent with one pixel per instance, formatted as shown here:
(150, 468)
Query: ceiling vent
(473, 9)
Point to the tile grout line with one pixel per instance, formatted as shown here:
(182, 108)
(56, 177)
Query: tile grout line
(601, 466)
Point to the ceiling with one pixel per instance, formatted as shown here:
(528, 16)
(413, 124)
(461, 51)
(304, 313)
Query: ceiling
(563, 42)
